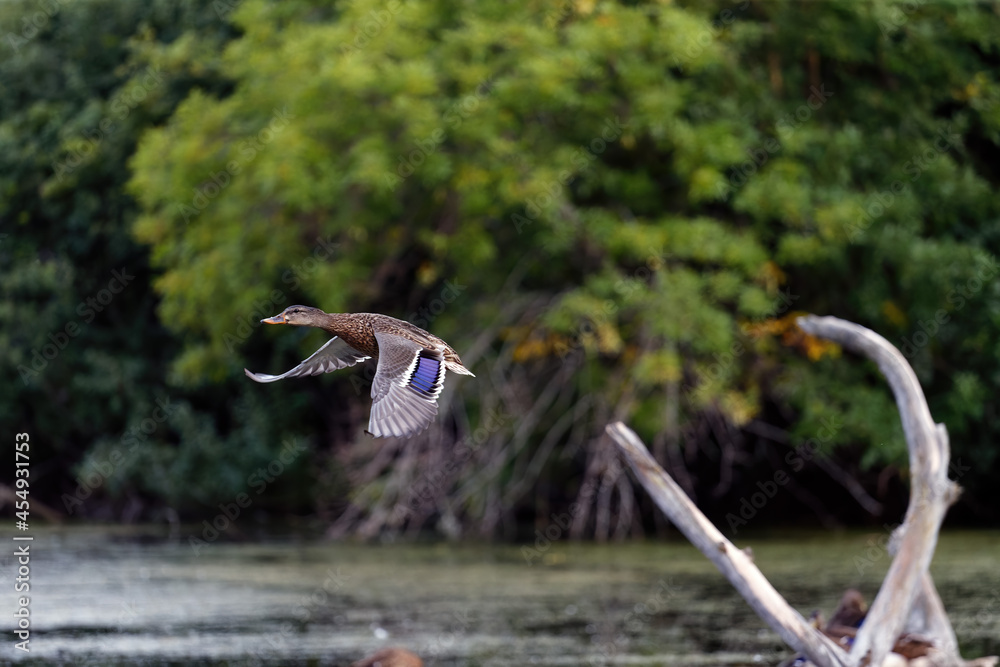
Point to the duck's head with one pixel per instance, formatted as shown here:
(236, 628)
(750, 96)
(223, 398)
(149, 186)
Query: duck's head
(300, 316)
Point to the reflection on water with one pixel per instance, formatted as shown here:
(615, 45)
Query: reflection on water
(116, 596)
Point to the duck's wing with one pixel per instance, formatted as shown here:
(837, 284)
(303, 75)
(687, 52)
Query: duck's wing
(407, 384)
(333, 356)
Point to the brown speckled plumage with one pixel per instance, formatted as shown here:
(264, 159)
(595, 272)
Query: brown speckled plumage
(358, 331)
(411, 363)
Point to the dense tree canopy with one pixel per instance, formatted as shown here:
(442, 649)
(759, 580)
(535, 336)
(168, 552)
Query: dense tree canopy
(612, 210)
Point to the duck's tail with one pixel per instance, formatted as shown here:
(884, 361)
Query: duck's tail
(457, 367)
(454, 364)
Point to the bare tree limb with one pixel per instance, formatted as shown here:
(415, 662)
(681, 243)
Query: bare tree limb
(732, 562)
(835, 472)
(931, 493)
(907, 599)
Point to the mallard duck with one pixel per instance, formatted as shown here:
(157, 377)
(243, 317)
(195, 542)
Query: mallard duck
(843, 628)
(390, 657)
(847, 618)
(411, 364)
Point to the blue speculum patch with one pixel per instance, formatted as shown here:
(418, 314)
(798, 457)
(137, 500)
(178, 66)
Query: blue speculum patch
(425, 374)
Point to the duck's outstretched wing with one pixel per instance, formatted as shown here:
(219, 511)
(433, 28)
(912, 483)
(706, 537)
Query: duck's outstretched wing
(333, 356)
(407, 383)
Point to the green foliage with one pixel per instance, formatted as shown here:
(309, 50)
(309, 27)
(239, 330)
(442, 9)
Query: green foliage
(83, 351)
(662, 178)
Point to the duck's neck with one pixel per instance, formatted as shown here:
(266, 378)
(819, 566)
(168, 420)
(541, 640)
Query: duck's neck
(332, 322)
(353, 330)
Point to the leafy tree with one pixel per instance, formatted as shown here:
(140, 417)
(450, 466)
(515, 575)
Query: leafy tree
(83, 350)
(657, 180)
(629, 201)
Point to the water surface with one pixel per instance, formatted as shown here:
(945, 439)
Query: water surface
(127, 596)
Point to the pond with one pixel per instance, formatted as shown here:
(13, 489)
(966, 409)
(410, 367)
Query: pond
(140, 596)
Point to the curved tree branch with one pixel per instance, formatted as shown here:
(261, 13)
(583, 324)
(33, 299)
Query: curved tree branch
(907, 599)
(931, 493)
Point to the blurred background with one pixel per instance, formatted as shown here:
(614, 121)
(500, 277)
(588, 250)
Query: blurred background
(610, 210)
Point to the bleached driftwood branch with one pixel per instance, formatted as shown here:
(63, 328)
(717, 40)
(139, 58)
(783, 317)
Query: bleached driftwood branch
(732, 562)
(931, 493)
(907, 599)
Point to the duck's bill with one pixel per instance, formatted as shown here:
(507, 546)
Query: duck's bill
(277, 319)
